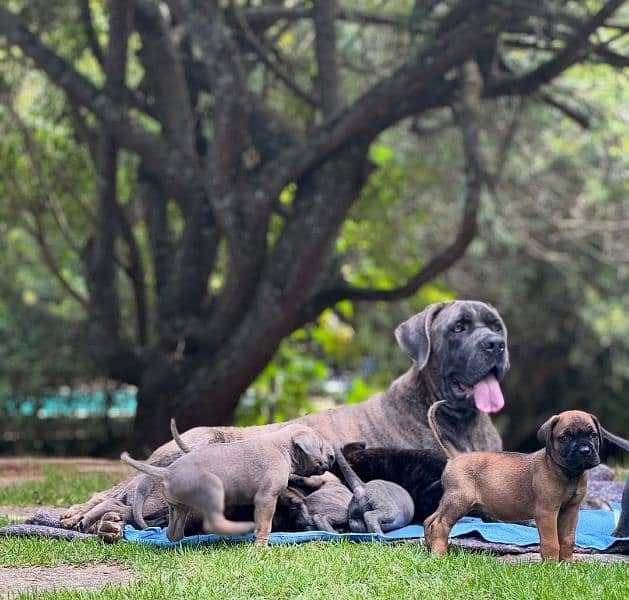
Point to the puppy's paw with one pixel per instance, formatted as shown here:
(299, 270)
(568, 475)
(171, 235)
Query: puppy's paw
(262, 543)
(111, 527)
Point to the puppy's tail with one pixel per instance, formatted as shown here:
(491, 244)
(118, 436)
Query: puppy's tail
(217, 523)
(612, 438)
(173, 430)
(354, 482)
(447, 447)
(152, 470)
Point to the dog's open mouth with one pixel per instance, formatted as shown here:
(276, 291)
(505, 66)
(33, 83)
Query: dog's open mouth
(486, 391)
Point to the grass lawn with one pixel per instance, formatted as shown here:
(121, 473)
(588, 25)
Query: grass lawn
(308, 571)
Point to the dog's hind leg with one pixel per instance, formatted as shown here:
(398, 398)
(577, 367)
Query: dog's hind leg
(322, 523)
(437, 526)
(177, 516)
(372, 521)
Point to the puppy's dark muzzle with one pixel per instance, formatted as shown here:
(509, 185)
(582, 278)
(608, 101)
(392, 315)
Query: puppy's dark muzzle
(584, 456)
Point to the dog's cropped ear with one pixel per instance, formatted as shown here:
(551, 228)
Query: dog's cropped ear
(413, 336)
(545, 432)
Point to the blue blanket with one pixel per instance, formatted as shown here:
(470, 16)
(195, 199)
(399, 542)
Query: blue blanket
(593, 531)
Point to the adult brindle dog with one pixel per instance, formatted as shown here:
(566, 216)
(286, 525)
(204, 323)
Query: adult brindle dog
(460, 354)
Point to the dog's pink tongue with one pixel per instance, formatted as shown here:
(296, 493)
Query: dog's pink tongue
(488, 395)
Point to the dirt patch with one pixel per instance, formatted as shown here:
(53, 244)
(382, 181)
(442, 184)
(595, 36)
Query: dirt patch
(535, 557)
(14, 580)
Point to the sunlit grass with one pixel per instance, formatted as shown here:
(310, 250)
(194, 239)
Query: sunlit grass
(309, 571)
(62, 485)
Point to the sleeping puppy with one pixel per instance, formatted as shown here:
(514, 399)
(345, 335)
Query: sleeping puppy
(417, 471)
(377, 506)
(325, 508)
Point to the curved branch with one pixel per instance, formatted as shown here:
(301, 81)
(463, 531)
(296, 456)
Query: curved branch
(571, 53)
(325, 51)
(427, 67)
(280, 73)
(466, 115)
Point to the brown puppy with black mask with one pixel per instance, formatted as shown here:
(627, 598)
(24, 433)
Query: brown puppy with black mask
(547, 485)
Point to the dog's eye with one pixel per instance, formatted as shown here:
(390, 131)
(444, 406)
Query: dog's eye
(497, 327)
(563, 438)
(459, 327)
(593, 434)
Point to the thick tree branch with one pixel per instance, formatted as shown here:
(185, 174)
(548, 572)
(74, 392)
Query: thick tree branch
(426, 68)
(466, 113)
(104, 302)
(325, 51)
(166, 76)
(573, 51)
(170, 166)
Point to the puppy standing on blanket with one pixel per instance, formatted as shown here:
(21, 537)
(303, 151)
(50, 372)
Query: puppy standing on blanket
(246, 472)
(547, 485)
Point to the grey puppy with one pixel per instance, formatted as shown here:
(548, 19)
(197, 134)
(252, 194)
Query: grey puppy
(323, 509)
(245, 472)
(459, 353)
(377, 506)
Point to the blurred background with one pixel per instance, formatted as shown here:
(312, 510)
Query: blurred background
(220, 211)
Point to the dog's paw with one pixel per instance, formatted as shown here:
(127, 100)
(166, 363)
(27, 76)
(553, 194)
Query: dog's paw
(72, 517)
(110, 527)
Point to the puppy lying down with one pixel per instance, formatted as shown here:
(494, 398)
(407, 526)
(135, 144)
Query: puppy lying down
(248, 472)
(377, 506)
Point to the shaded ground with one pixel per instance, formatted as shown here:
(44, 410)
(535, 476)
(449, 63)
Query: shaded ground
(14, 580)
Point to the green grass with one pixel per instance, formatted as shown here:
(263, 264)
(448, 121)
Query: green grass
(62, 485)
(309, 571)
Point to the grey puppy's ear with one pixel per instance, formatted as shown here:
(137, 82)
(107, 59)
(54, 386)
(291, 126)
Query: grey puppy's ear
(308, 443)
(545, 432)
(413, 336)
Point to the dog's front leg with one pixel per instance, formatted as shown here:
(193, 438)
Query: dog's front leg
(546, 521)
(263, 517)
(566, 526)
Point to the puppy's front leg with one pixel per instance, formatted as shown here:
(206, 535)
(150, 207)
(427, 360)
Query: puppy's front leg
(566, 526)
(263, 517)
(546, 521)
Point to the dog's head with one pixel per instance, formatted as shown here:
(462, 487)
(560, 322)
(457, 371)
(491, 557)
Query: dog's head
(572, 439)
(463, 345)
(310, 453)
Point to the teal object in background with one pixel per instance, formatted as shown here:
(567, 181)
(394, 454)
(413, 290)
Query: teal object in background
(79, 404)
